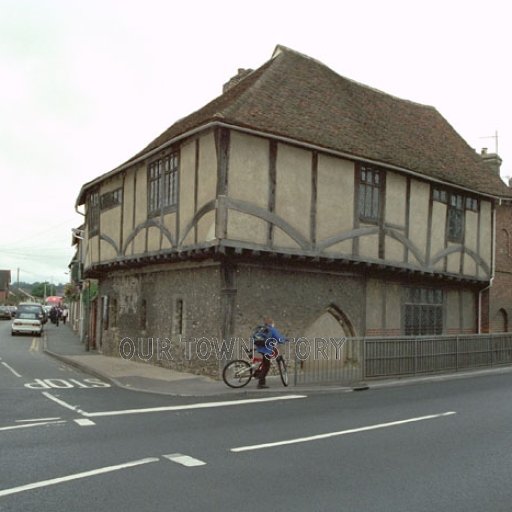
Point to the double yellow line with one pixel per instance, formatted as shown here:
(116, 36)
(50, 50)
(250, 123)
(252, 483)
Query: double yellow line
(36, 342)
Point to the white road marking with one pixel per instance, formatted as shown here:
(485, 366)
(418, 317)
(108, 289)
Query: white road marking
(28, 425)
(204, 405)
(84, 422)
(64, 404)
(11, 369)
(184, 460)
(76, 476)
(39, 419)
(340, 433)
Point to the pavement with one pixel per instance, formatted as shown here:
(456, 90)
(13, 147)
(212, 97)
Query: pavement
(64, 344)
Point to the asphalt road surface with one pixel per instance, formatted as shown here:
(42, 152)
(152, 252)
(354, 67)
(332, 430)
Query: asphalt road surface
(71, 442)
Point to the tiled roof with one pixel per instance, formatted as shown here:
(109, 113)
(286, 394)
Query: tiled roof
(297, 97)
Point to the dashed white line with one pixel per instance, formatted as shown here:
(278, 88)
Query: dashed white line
(11, 369)
(184, 460)
(340, 433)
(76, 476)
(38, 419)
(29, 425)
(84, 422)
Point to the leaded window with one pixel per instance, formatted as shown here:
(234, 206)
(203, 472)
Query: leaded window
(456, 218)
(111, 199)
(423, 311)
(369, 194)
(93, 213)
(163, 184)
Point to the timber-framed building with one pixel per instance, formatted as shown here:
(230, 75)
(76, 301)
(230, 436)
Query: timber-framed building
(332, 206)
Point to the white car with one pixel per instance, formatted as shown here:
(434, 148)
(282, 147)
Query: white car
(26, 322)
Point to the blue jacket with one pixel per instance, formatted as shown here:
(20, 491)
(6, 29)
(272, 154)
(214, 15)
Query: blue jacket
(274, 337)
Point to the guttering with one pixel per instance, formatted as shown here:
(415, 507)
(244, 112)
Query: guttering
(281, 138)
(493, 269)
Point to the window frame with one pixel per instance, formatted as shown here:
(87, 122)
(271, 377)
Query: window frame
(457, 204)
(424, 305)
(111, 199)
(162, 180)
(93, 213)
(455, 218)
(370, 190)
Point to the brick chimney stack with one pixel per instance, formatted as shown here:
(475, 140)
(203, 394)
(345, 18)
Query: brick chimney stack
(492, 160)
(242, 73)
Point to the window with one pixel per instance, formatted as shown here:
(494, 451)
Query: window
(423, 313)
(143, 321)
(111, 199)
(440, 195)
(113, 313)
(104, 312)
(457, 204)
(455, 218)
(369, 194)
(472, 204)
(93, 213)
(163, 184)
(178, 316)
(154, 173)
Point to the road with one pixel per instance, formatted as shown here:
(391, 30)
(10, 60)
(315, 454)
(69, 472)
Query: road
(71, 442)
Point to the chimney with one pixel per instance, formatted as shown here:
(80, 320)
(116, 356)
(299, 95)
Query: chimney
(492, 160)
(242, 73)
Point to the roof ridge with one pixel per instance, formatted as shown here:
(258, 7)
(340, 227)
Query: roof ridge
(280, 49)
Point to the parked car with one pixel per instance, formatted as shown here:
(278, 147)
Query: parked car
(13, 310)
(32, 307)
(5, 313)
(27, 322)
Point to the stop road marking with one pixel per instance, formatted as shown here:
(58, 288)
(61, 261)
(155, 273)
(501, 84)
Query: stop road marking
(66, 384)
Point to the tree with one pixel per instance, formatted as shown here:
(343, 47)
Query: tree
(45, 289)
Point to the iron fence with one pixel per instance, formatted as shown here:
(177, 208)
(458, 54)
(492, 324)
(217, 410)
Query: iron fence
(369, 358)
(388, 357)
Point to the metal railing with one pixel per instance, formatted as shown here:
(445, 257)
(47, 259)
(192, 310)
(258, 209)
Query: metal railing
(369, 358)
(387, 357)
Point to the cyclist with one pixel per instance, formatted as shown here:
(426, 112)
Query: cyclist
(265, 339)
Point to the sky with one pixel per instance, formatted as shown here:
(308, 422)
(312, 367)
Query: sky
(86, 84)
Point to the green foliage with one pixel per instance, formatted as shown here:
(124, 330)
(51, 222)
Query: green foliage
(45, 289)
(71, 292)
(89, 292)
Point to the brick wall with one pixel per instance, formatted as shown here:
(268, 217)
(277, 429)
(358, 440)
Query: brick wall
(500, 294)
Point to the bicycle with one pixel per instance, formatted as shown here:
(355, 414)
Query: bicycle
(238, 373)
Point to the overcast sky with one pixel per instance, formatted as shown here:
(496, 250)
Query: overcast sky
(86, 84)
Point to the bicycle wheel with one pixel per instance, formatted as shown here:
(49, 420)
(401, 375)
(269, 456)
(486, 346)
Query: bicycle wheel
(237, 374)
(283, 370)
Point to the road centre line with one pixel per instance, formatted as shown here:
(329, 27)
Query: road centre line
(11, 369)
(38, 420)
(340, 433)
(184, 460)
(28, 425)
(77, 476)
(203, 405)
(84, 422)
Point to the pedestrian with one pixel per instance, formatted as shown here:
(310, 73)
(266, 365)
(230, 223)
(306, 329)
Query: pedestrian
(265, 339)
(54, 316)
(64, 315)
